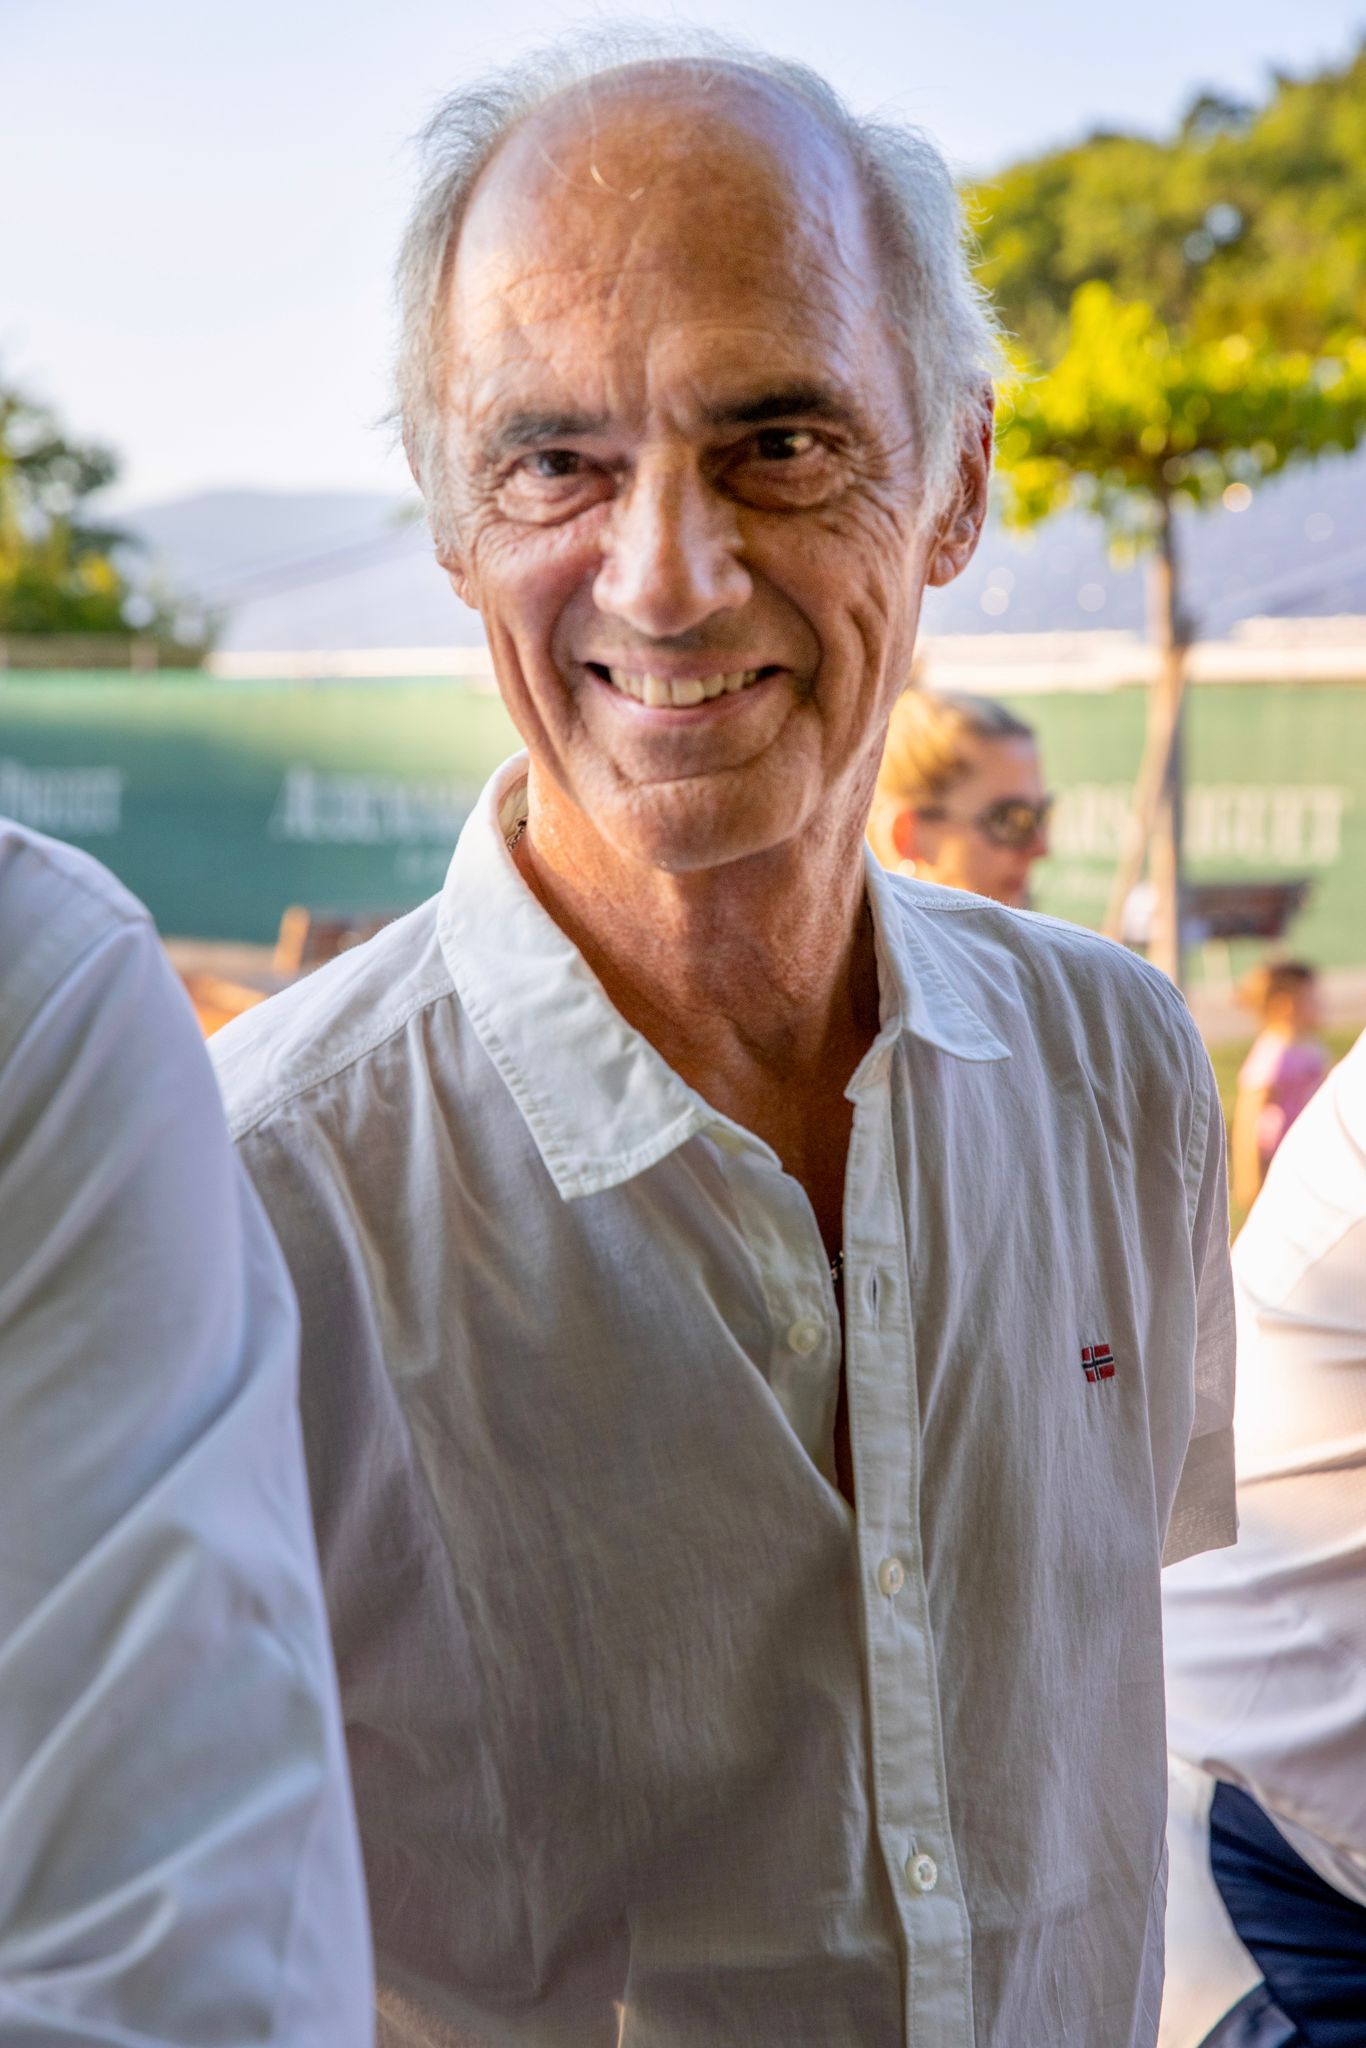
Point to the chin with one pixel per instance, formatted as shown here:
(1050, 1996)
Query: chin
(681, 846)
(697, 823)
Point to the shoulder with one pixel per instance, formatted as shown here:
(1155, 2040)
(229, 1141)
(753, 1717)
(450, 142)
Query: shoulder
(339, 1020)
(1094, 1034)
(58, 907)
(1040, 980)
(111, 1134)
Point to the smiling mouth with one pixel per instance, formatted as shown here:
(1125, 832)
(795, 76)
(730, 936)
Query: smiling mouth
(676, 693)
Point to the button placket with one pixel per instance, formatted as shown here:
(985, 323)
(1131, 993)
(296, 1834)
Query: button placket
(780, 1232)
(907, 1764)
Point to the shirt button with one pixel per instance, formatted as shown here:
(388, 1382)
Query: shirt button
(804, 1335)
(891, 1575)
(923, 1872)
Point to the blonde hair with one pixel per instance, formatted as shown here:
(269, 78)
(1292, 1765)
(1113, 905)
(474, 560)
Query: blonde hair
(925, 754)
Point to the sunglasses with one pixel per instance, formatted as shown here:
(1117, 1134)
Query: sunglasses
(1012, 822)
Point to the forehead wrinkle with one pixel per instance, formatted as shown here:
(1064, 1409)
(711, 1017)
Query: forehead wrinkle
(713, 349)
(792, 368)
(584, 285)
(773, 240)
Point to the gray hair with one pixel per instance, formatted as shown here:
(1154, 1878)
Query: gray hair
(948, 330)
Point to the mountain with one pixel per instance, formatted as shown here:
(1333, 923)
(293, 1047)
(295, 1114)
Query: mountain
(293, 571)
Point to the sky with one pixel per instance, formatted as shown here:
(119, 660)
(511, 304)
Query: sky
(199, 203)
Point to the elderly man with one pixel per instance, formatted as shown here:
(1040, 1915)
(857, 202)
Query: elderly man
(762, 1319)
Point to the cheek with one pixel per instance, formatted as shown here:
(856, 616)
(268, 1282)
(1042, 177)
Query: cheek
(977, 861)
(856, 570)
(522, 577)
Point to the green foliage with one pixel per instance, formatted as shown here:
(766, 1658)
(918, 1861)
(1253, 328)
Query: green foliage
(58, 568)
(1249, 220)
(56, 574)
(1133, 413)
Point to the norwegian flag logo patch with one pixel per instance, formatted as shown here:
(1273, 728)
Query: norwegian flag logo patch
(1097, 1362)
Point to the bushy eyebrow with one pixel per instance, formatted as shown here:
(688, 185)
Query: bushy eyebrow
(791, 401)
(536, 428)
(532, 429)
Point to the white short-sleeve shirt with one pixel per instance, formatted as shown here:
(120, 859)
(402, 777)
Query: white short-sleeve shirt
(655, 1742)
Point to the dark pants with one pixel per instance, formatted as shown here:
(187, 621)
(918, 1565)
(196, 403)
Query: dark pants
(1308, 1941)
(1255, 2022)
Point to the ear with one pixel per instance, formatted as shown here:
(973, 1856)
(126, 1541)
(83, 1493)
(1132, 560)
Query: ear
(906, 834)
(961, 527)
(447, 552)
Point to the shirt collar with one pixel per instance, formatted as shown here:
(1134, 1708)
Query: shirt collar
(919, 991)
(601, 1104)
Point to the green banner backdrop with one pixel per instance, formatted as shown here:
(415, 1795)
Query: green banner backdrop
(221, 803)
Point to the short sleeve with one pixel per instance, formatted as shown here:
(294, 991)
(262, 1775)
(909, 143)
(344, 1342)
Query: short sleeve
(1204, 1512)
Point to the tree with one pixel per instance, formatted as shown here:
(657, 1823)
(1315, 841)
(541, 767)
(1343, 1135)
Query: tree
(1134, 419)
(59, 568)
(1243, 218)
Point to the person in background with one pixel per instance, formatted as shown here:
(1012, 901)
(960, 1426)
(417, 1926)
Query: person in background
(1266, 1642)
(1285, 1066)
(178, 1852)
(960, 796)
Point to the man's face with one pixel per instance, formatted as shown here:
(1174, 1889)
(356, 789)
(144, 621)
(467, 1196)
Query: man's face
(686, 492)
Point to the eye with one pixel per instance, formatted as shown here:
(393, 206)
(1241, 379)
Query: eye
(786, 469)
(546, 485)
(553, 462)
(783, 444)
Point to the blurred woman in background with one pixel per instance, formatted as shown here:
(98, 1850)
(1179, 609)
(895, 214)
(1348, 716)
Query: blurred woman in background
(960, 796)
(1287, 1063)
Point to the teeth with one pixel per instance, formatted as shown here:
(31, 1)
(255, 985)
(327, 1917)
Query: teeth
(659, 693)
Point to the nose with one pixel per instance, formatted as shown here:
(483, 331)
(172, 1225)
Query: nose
(671, 555)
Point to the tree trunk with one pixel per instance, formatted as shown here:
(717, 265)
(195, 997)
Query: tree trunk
(1164, 853)
(1153, 832)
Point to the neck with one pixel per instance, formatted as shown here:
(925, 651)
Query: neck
(756, 981)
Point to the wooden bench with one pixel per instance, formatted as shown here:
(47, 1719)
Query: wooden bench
(223, 981)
